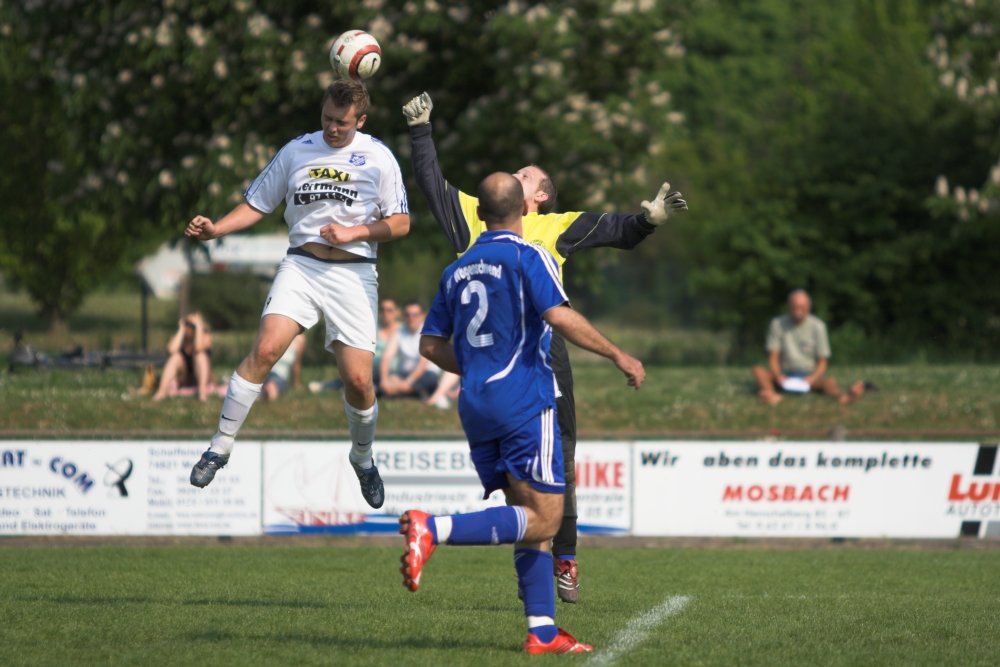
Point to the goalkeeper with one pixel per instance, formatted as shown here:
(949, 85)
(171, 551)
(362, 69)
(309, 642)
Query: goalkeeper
(562, 234)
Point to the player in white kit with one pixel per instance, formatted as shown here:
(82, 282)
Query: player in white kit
(344, 194)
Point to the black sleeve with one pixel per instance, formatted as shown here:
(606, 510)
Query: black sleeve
(442, 197)
(604, 230)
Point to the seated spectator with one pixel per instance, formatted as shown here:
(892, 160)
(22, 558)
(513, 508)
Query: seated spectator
(287, 371)
(189, 362)
(798, 350)
(388, 326)
(403, 372)
(447, 391)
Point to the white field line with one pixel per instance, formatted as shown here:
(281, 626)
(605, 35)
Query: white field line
(638, 629)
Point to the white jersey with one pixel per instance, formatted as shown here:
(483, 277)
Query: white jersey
(355, 185)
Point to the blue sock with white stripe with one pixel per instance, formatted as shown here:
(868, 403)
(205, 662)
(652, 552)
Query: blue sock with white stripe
(534, 577)
(495, 525)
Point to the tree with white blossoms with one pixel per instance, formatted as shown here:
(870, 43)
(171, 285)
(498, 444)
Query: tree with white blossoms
(966, 53)
(809, 138)
(142, 113)
(122, 119)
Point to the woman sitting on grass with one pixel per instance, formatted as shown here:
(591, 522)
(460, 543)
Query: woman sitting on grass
(188, 369)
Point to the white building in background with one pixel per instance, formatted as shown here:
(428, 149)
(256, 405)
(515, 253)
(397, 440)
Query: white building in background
(260, 254)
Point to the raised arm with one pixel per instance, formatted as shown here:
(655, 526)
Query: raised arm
(604, 230)
(620, 230)
(175, 342)
(240, 218)
(444, 199)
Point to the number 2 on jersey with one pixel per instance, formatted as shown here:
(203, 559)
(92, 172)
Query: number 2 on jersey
(475, 338)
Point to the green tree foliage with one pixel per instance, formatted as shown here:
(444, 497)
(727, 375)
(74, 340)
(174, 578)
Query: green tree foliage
(849, 147)
(129, 117)
(817, 133)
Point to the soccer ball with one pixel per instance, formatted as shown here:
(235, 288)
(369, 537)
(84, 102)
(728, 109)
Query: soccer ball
(356, 55)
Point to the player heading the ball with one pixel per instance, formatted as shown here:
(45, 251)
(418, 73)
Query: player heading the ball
(343, 194)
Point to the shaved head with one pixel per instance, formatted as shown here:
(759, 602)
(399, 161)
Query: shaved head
(501, 199)
(799, 304)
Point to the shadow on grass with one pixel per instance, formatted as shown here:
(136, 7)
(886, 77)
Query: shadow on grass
(393, 643)
(110, 600)
(88, 599)
(288, 604)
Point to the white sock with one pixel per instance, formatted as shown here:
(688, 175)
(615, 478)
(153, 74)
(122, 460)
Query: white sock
(222, 444)
(361, 425)
(240, 397)
(443, 526)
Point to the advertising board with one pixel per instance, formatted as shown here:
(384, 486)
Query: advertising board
(123, 488)
(804, 489)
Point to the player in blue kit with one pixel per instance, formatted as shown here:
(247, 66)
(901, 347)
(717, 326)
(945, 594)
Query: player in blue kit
(564, 235)
(491, 322)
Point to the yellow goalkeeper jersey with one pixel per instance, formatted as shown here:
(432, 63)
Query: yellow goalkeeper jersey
(561, 234)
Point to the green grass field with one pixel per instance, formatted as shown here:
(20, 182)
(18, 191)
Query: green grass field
(957, 401)
(282, 603)
(340, 601)
(950, 402)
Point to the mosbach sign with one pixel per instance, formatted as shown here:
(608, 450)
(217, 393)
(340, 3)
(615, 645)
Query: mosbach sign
(811, 489)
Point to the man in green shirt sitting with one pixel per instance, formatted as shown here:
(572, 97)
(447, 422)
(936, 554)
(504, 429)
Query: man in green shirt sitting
(798, 349)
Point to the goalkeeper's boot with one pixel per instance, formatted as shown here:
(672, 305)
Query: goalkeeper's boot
(567, 579)
(419, 546)
(564, 642)
(204, 470)
(371, 484)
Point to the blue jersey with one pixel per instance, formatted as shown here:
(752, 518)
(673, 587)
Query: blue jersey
(490, 302)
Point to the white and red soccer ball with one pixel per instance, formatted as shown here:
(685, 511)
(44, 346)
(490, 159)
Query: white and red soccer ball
(355, 55)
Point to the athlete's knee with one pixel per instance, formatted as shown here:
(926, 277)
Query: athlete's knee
(357, 381)
(266, 353)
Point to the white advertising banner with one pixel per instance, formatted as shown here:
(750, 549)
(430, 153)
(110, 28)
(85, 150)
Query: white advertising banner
(310, 487)
(664, 488)
(807, 489)
(124, 488)
(603, 487)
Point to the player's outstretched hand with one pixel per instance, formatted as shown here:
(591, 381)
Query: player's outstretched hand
(632, 368)
(418, 110)
(200, 228)
(663, 205)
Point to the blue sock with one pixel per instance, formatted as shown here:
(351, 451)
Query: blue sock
(534, 577)
(496, 525)
(432, 525)
(566, 556)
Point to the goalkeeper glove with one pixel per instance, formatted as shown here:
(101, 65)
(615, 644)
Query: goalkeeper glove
(418, 110)
(663, 204)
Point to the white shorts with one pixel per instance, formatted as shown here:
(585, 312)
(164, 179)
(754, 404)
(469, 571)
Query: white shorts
(346, 295)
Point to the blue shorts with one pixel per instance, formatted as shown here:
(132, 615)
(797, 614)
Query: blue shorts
(532, 452)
